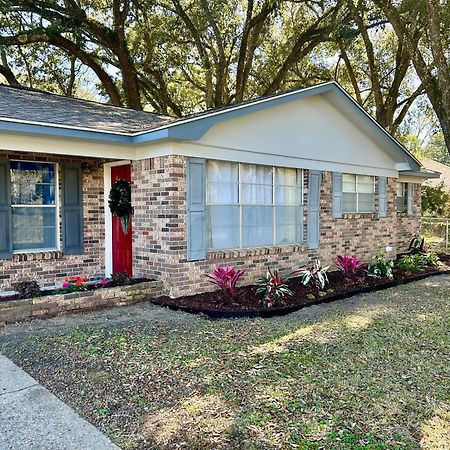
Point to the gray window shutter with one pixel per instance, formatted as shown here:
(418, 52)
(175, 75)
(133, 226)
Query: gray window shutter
(313, 218)
(382, 196)
(336, 208)
(5, 211)
(410, 199)
(72, 209)
(196, 200)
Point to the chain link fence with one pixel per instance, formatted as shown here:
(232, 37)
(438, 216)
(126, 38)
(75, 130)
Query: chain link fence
(436, 231)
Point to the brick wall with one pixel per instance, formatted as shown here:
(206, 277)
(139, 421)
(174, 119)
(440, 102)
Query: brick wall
(408, 226)
(160, 232)
(50, 268)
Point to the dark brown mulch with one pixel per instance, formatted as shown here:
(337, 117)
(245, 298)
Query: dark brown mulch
(248, 301)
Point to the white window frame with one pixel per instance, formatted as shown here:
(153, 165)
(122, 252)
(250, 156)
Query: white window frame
(273, 205)
(357, 194)
(56, 206)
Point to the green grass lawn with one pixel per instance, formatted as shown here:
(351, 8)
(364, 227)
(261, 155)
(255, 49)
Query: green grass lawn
(370, 372)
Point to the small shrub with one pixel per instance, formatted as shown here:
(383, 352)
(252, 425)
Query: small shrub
(410, 263)
(314, 274)
(226, 279)
(74, 284)
(382, 267)
(120, 279)
(273, 288)
(27, 289)
(350, 266)
(417, 246)
(431, 259)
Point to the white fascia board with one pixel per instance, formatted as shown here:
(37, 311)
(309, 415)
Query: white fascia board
(64, 146)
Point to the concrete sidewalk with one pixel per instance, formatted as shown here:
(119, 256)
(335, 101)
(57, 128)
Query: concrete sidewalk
(33, 418)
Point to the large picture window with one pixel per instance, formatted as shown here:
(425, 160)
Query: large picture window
(34, 205)
(251, 205)
(358, 193)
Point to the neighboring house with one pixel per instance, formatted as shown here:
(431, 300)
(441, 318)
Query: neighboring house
(273, 181)
(442, 169)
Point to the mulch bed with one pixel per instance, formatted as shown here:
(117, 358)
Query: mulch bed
(215, 304)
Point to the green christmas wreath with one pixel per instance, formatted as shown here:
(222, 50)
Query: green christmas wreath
(120, 202)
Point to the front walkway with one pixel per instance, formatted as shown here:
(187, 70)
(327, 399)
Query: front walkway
(33, 418)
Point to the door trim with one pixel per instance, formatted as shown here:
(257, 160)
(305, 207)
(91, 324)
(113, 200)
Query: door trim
(108, 216)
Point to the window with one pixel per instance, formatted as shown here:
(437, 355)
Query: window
(33, 201)
(402, 196)
(249, 205)
(358, 193)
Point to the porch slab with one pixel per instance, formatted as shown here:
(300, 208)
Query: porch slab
(33, 418)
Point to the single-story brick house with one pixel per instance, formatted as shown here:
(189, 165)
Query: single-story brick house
(279, 180)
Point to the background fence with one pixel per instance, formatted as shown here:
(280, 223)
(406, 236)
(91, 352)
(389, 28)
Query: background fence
(436, 231)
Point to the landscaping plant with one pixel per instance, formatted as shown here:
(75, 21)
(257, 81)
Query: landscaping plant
(102, 283)
(431, 259)
(120, 279)
(74, 284)
(350, 266)
(417, 246)
(226, 279)
(27, 289)
(412, 263)
(314, 274)
(273, 288)
(382, 267)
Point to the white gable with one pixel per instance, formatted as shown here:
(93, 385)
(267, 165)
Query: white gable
(308, 132)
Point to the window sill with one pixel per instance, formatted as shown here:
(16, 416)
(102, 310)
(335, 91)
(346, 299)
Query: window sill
(360, 215)
(37, 256)
(255, 251)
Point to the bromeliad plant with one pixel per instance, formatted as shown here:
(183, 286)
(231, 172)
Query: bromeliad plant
(417, 246)
(273, 288)
(226, 279)
(350, 266)
(315, 275)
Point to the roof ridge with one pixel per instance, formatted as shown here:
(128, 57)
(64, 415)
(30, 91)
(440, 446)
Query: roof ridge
(83, 100)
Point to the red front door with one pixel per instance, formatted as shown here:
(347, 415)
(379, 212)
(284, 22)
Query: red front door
(121, 242)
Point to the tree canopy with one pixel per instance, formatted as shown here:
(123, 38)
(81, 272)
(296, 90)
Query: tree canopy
(179, 56)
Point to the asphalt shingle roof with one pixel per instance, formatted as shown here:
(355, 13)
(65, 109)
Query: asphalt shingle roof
(35, 106)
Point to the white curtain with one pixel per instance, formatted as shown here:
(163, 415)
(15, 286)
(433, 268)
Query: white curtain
(222, 212)
(288, 211)
(257, 200)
